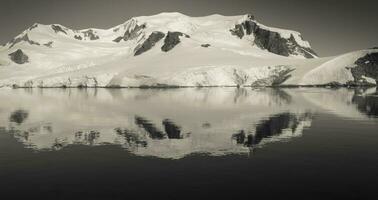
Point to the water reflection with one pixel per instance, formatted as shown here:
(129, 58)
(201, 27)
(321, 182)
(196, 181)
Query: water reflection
(132, 139)
(150, 128)
(280, 126)
(173, 131)
(87, 138)
(173, 123)
(367, 102)
(18, 116)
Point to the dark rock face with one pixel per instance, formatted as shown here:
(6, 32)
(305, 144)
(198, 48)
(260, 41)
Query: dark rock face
(58, 29)
(33, 27)
(249, 26)
(295, 47)
(171, 40)
(24, 38)
(91, 35)
(19, 57)
(271, 41)
(149, 43)
(49, 44)
(131, 34)
(366, 66)
(238, 31)
(205, 45)
(78, 37)
(118, 39)
(250, 17)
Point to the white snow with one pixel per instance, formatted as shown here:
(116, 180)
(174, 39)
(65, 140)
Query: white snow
(103, 62)
(336, 69)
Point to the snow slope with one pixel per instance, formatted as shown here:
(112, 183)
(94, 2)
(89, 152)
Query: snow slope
(173, 50)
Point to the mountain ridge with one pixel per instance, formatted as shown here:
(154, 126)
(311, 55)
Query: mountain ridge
(172, 49)
(163, 22)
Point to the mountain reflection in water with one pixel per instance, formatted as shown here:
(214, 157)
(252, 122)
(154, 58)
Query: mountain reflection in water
(173, 123)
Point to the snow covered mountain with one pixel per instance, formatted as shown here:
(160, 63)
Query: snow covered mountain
(172, 49)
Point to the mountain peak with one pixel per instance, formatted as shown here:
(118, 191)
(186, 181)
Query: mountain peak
(248, 17)
(172, 49)
(170, 14)
(214, 30)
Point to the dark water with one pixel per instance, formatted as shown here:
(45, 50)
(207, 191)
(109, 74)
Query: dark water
(189, 143)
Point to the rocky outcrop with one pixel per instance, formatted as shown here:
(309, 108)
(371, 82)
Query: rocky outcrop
(295, 48)
(171, 40)
(131, 34)
(149, 42)
(58, 29)
(24, 38)
(118, 39)
(270, 40)
(78, 37)
(49, 44)
(238, 31)
(366, 67)
(19, 57)
(205, 45)
(90, 34)
(33, 26)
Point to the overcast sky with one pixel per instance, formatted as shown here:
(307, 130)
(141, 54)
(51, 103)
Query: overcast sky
(332, 26)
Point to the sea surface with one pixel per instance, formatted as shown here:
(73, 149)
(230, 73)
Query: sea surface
(189, 143)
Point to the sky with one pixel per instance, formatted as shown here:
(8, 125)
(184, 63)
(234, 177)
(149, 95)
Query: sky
(331, 26)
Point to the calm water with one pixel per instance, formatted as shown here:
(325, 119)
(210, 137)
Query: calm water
(308, 143)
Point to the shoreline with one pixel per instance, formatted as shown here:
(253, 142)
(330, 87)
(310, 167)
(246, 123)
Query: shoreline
(180, 87)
